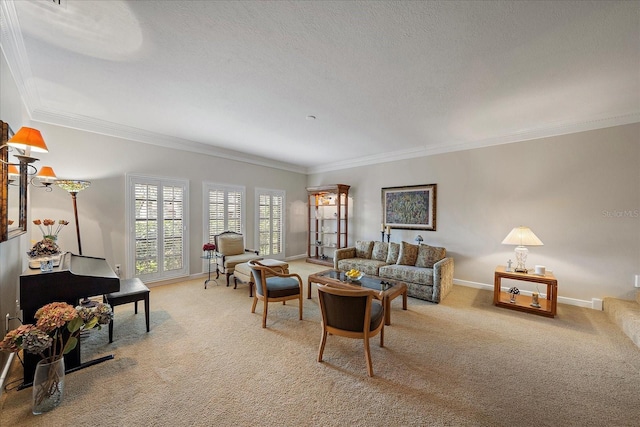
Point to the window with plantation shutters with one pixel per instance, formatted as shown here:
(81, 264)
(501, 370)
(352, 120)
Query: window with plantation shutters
(223, 210)
(270, 222)
(157, 209)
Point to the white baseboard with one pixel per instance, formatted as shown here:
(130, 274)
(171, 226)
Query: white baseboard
(595, 303)
(296, 257)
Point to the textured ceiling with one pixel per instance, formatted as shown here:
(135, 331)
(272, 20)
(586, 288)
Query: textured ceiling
(385, 80)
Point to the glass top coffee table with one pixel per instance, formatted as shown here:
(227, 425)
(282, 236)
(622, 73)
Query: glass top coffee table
(388, 288)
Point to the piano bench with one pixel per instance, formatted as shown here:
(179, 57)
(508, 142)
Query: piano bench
(131, 290)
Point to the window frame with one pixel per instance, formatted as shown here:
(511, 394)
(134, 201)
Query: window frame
(130, 216)
(207, 187)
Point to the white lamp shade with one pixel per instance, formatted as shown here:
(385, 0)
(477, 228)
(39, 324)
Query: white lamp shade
(522, 236)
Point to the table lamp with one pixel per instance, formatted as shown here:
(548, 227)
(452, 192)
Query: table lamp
(521, 237)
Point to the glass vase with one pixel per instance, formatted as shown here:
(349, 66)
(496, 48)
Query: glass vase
(48, 386)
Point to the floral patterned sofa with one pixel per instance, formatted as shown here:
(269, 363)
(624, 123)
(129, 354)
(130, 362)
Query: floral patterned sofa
(425, 269)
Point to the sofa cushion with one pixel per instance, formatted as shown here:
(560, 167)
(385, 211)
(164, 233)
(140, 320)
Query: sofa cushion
(364, 249)
(367, 266)
(380, 250)
(407, 273)
(429, 255)
(392, 253)
(230, 262)
(408, 254)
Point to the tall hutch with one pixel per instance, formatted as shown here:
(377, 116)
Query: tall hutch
(328, 215)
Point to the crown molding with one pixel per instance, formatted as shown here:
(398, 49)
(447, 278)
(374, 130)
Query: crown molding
(12, 45)
(101, 127)
(526, 135)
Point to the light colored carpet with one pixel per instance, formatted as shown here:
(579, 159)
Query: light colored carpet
(625, 314)
(464, 362)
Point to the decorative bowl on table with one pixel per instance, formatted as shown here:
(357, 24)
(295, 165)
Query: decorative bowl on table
(354, 275)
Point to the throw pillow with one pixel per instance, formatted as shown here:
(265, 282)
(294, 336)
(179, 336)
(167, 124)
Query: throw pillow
(429, 255)
(380, 250)
(231, 245)
(392, 253)
(364, 249)
(408, 254)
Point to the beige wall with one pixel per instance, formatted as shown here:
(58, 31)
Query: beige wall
(11, 252)
(105, 161)
(579, 193)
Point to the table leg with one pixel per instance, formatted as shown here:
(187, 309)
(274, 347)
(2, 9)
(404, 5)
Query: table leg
(404, 300)
(209, 277)
(386, 302)
(309, 290)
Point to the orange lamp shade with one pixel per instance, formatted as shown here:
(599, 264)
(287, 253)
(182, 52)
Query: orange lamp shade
(13, 170)
(46, 172)
(28, 138)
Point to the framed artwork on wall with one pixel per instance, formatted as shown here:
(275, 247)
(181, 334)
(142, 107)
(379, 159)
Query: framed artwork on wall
(412, 207)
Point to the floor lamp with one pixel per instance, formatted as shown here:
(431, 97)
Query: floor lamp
(74, 187)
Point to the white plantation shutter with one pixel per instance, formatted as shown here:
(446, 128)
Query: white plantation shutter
(146, 229)
(224, 210)
(173, 228)
(270, 222)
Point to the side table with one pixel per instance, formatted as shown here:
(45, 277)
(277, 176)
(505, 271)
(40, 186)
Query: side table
(523, 302)
(209, 256)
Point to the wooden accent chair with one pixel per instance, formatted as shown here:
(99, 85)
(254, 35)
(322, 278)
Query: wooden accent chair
(278, 286)
(353, 314)
(230, 251)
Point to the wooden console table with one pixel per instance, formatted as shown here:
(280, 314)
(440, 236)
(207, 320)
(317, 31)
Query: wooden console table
(523, 302)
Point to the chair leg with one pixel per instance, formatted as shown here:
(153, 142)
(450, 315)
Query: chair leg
(300, 304)
(323, 341)
(382, 336)
(228, 276)
(255, 302)
(264, 313)
(367, 357)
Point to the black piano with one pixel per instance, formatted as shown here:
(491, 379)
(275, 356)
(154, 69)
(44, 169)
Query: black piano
(75, 278)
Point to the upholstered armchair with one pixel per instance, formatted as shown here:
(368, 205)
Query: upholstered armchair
(230, 251)
(274, 285)
(351, 313)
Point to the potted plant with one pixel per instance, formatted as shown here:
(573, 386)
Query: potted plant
(55, 334)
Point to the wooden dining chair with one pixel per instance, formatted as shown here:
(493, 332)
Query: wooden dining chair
(353, 314)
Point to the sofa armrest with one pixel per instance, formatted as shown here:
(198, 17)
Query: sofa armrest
(442, 278)
(343, 253)
(252, 250)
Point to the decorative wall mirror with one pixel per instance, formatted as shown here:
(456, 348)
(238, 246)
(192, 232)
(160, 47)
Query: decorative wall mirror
(13, 190)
